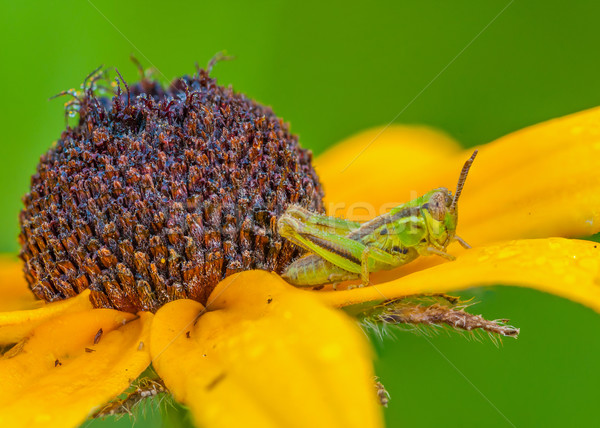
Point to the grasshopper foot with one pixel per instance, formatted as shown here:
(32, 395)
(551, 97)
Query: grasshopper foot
(462, 242)
(432, 250)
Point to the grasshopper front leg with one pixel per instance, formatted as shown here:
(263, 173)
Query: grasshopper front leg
(432, 250)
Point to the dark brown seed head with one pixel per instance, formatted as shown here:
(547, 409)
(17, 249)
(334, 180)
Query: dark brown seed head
(159, 193)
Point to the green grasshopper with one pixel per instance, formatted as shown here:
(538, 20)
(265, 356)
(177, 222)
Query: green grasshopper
(341, 250)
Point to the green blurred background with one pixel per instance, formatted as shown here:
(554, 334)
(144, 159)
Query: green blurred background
(478, 70)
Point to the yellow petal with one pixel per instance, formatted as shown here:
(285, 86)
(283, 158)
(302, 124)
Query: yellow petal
(565, 267)
(13, 287)
(541, 181)
(58, 376)
(376, 158)
(17, 324)
(267, 355)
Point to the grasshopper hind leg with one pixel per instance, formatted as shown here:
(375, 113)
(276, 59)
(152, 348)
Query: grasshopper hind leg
(321, 222)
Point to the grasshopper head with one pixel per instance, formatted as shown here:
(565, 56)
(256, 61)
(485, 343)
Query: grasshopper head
(441, 212)
(440, 216)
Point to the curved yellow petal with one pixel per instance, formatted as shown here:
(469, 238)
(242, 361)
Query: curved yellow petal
(60, 375)
(265, 354)
(566, 267)
(541, 181)
(537, 182)
(16, 325)
(13, 287)
(372, 160)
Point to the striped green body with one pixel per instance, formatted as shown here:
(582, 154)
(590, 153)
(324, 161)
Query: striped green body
(341, 250)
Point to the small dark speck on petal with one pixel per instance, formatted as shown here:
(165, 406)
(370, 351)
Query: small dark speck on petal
(216, 381)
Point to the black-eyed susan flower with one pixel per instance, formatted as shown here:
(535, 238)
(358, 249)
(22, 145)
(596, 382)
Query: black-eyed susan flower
(149, 237)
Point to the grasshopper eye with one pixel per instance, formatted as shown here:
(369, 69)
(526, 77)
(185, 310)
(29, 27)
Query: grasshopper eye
(437, 205)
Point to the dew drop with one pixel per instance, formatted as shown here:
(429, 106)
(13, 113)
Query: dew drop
(506, 253)
(483, 258)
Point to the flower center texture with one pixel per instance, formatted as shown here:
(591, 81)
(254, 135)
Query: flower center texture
(159, 193)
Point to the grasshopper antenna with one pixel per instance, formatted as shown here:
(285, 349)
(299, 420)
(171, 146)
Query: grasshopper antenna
(462, 179)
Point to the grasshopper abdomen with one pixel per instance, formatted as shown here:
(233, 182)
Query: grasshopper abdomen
(312, 270)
